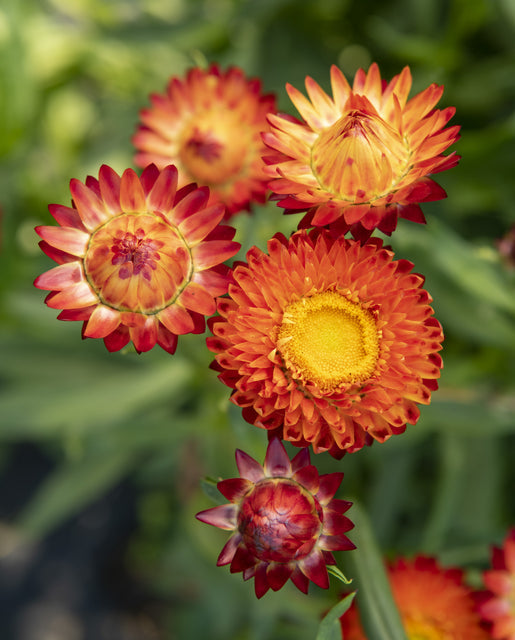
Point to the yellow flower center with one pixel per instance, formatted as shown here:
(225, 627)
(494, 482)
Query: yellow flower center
(328, 340)
(422, 629)
(137, 262)
(359, 157)
(210, 150)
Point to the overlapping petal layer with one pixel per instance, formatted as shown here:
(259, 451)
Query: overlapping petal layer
(327, 342)
(434, 603)
(497, 606)
(137, 259)
(284, 518)
(209, 125)
(361, 158)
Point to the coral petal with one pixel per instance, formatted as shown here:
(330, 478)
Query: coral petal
(60, 277)
(73, 241)
(91, 209)
(75, 297)
(196, 298)
(197, 226)
(132, 196)
(161, 197)
(190, 204)
(213, 252)
(66, 216)
(103, 321)
(144, 336)
(176, 319)
(109, 182)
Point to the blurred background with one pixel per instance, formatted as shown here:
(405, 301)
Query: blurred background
(102, 455)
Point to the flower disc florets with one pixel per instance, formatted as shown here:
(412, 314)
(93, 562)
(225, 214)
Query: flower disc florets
(138, 260)
(209, 125)
(361, 158)
(327, 342)
(285, 520)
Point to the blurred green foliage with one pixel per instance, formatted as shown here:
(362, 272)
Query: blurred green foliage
(73, 76)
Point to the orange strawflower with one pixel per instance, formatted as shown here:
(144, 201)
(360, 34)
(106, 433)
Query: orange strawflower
(327, 342)
(285, 520)
(434, 603)
(209, 125)
(498, 603)
(138, 260)
(362, 157)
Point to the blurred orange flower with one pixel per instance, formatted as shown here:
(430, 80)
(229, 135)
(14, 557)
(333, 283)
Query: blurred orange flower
(434, 603)
(362, 157)
(138, 260)
(285, 520)
(498, 603)
(327, 342)
(209, 125)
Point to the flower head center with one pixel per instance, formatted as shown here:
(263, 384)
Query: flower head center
(140, 252)
(137, 262)
(360, 156)
(423, 629)
(328, 340)
(209, 150)
(204, 146)
(279, 520)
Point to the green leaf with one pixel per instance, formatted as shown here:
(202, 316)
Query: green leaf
(379, 613)
(330, 626)
(209, 487)
(337, 573)
(69, 488)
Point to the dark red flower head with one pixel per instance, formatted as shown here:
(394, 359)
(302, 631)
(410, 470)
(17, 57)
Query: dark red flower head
(285, 520)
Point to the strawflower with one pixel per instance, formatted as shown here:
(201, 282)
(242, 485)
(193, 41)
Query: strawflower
(434, 603)
(327, 342)
(498, 603)
(284, 518)
(363, 156)
(137, 259)
(209, 125)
